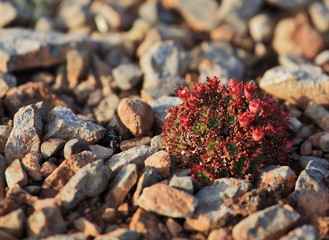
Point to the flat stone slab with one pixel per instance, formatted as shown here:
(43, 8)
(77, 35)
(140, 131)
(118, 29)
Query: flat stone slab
(24, 48)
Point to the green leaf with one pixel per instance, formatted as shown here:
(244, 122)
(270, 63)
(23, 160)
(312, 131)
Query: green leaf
(228, 100)
(213, 123)
(203, 114)
(239, 166)
(232, 148)
(213, 144)
(198, 127)
(231, 119)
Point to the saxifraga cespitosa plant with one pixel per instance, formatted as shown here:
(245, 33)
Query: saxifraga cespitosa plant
(225, 131)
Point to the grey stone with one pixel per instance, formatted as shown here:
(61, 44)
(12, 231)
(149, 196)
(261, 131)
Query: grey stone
(24, 48)
(105, 110)
(31, 164)
(74, 146)
(119, 234)
(87, 227)
(101, 152)
(161, 105)
(305, 232)
(163, 60)
(318, 166)
(127, 75)
(311, 193)
(63, 123)
(297, 86)
(13, 13)
(156, 142)
(51, 146)
(4, 135)
(291, 5)
(294, 124)
(261, 27)
(155, 13)
(320, 16)
(294, 62)
(121, 185)
(89, 181)
(15, 174)
(304, 160)
(167, 201)
(72, 236)
(270, 223)
(33, 189)
(207, 68)
(6, 81)
(25, 136)
(148, 178)
(135, 155)
(13, 222)
(182, 183)
(318, 114)
(324, 142)
(322, 57)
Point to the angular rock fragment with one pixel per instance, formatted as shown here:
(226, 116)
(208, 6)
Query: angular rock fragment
(119, 233)
(7, 81)
(74, 146)
(31, 164)
(13, 222)
(51, 146)
(15, 174)
(87, 227)
(161, 161)
(304, 232)
(318, 115)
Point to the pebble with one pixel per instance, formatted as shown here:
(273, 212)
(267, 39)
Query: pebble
(135, 155)
(305, 132)
(167, 201)
(306, 148)
(25, 136)
(15, 174)
(7, 81)
(13, 222)
(13, 13)
(155, 13)
(109, 215)
(63, 123)
(210, 68)
(105, 110)
(318, 114)
(182, 183)
(87, 227)
(71, 236)
(305, 232)
(46, 219)
(304, 160)
(290, 5)
(146, 224)
(319, 13)
(127, 75)
(90, 181)
(31, 164)
(270, 223)
(174, 227)
(297, 87)
(134, 142)
(156, 142)
(311, 193)
(161, 161)
(121, 185)
(261, 27)
(33, 189)
(74, 146)
(161, 105)
(119, 233)
(324, 142)
(282, 177)
(294, 124)
(52, 146)
(318, 166)
(101, 152)
(4, 135)
(62, 174)
(76, 64)
(322, 58)
(148, 178)
(47, 168)
(25, 48)
(136, 115)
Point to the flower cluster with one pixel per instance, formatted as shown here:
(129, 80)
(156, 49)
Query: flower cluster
(225, 131)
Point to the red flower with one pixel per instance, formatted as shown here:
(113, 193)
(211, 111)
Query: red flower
(254, 106)
(268, 106)
(269, 129)
(213, 83)
(200, 89)
(245, 118)
(289, 145)
(236, 89)
(182, 93)
(258, 133)
(192, 99)
(185, 121)
(250, 89)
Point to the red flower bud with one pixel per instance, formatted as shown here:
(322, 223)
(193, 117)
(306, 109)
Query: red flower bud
(182, 93)
(250, 89)
(289, 145)
(245, 118)
(192, 99)
(258, 133)
(200, 89)
(213, 83)
(236, 89)
(254, 106)
(185, 121)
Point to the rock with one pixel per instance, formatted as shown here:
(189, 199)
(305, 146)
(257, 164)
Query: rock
(47, 168)
(304, 160)
(25, 48)
(278, 177)
(196, 13)
(148, 178)
(73, 16)
(156, 142)
(318, 166)
(76, 64)
(161, 105)
(101, 152)
(33, 189)
(298, 87)
(46, 219)
(146, 224)
(62, 174)
(167, 201)
(3, 166)
(174, 227)
(7, 81)
(315, 138)
(105, 110)
(51, 146)
(134, 142)
(74, 146)
(31, 93)
(13, 222)
(7, 236)
(295, 4)
(324, 142)
(306, 148)
(320, 16)
(109, 215)
(15, 174)
(261, 27)
(25, 136)
(318, 115)
(322, 58)
(155, 13)
(161, 162)
(121, 185)
(13, 13)
(87, 227)
(31, 164)
(135, 155)
(294, 124)
(304, 232)
(72, 236)
(119, 233)
(163, 60)
(89, 181)
(4, 135)
(270, 223)
(311, 193)
(63, 123)
(305, 132)
(208, 214)
(127, 75)
(136, 115)
(182, 183)
(221, 233)
(210, 68)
